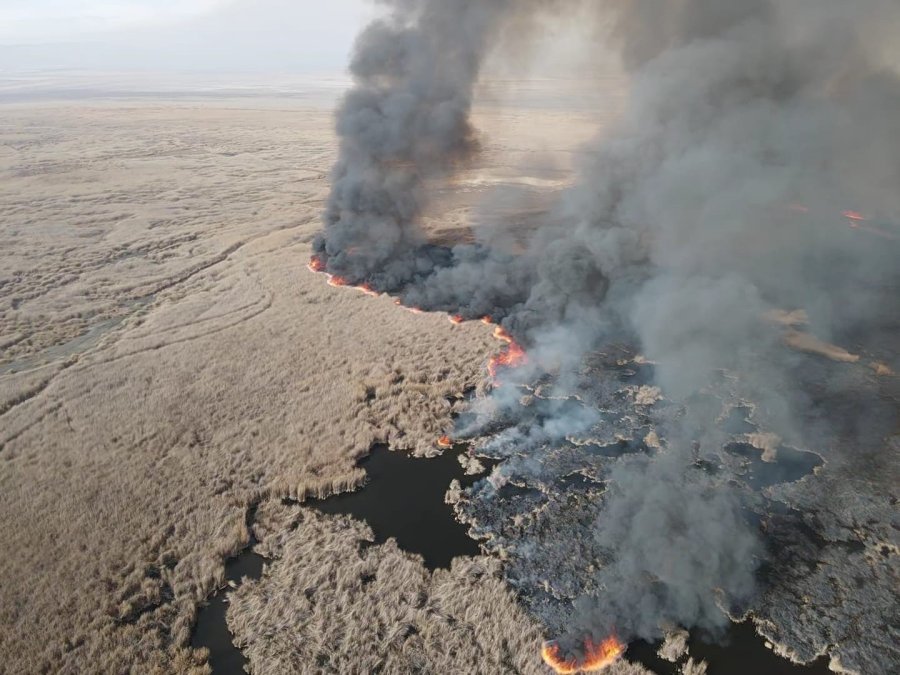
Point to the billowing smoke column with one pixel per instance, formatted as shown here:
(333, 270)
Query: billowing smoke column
(752, 125)
(680, 546)
(405, 121)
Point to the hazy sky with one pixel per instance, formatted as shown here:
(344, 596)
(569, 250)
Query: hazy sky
(226, 35)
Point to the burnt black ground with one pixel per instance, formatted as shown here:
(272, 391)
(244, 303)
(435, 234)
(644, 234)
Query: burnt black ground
(403, 498)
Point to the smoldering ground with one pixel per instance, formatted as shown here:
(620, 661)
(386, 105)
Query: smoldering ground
(752, 128)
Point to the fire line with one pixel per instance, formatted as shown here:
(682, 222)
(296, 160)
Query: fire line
(597, 657)
(513, 354)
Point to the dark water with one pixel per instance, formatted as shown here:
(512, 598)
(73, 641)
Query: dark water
(211, 630)
(404, 499)
(790, 465)
(741, 652)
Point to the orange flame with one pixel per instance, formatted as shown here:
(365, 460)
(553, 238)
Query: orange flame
(316, 264)
(860, 222)
(414, 310)
(336, 281)
(445, 442)
(455, 319)
(514, 355)
(501, 334)
(368, 290)
(511, 357)
(597, 657)
(856, 220)
(340, 282)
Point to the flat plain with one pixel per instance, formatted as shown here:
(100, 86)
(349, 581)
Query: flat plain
(167, 363)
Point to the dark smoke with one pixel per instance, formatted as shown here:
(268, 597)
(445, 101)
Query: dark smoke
(680, 237)
(667, 530)
(405, 121)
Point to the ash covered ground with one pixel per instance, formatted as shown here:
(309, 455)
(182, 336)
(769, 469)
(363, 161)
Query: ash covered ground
(830, 561)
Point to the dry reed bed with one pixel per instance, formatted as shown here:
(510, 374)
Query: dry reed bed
(330, 602)
(126, 469)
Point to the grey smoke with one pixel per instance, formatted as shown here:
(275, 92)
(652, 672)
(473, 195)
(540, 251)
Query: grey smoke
(679, 236)
(405, 121)
(665, 530)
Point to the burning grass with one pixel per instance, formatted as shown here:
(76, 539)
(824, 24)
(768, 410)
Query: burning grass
(319, 266)
(511, 357)
(596, 657)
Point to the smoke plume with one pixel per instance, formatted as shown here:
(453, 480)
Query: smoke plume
(406, 121)
(752, 126)
(677, 543)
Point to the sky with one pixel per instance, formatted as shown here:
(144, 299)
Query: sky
(303, 36)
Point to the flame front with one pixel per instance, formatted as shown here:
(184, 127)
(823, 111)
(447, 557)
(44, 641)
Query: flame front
(412, 310)
(597, 657)
(860, 222)
(336, 281)
(510, 357)
(502, 335)
(368, 290)
(316, 264)
(857, 221)
(445, 442)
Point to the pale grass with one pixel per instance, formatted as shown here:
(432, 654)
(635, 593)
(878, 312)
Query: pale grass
(127, 468)
(330, 602)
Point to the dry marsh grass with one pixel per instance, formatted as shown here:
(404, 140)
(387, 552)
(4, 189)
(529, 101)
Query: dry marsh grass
(127, 464)
(167, 361)
(330, 602)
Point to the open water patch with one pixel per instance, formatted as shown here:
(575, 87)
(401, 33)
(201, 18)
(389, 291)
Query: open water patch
(211, 630)
(788, 465)
(740, 652)
(403, 498)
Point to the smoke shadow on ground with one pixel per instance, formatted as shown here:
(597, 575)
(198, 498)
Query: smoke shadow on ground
(741, 652)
